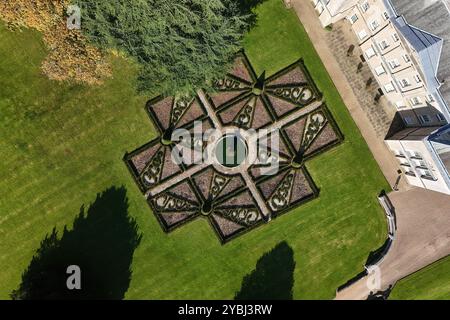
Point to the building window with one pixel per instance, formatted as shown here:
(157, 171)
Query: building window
(374, 25)
(417, 78)
(409, 120)
(389, 87)
(383, 44)
(395, 37)
(409, 172)
(405, 83)
(399, 154)
(415, 155)
(405, 164)
(380, 70)
(426, 174)
(440, 117)
(365, 6)
(430, 98)
(385, 15)
(320, 9)
(424, 118)
(416, 101)
(394, 64)
(406, 58)
(362, 34)
(422, 164)
(370, 53)
(353, 18)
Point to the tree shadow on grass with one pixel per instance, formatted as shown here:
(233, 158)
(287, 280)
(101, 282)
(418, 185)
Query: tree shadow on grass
(273, 277)
(101, 242)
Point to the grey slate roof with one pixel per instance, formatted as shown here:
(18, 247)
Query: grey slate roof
(430, 17)
(414, 133)
(427, 46)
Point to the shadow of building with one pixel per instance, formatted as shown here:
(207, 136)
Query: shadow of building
(415, 117)
(101, 242)
(273, 277)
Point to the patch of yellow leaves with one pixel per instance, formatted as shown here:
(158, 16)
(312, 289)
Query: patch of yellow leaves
(70, 56)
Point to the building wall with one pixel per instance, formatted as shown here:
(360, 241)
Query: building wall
(396, 68)
(393, 61)
(394, 64)
(415, 158)
(330, 11)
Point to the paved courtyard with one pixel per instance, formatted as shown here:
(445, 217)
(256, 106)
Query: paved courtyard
(237, 156)
(360, 77)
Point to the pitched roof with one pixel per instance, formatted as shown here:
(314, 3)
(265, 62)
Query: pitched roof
(430, 20)
(427, 46)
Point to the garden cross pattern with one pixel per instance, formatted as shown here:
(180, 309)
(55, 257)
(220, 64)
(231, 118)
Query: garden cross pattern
(234, 194)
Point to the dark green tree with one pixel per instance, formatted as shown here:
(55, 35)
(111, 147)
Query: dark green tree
(180, 45)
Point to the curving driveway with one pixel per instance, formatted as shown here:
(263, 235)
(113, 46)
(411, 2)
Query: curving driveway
(423, 236)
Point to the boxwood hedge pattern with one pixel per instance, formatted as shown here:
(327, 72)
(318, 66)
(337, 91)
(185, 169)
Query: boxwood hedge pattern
(247, 101)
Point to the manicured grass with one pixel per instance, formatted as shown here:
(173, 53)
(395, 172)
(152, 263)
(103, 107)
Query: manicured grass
(62, 144)
(430, 283)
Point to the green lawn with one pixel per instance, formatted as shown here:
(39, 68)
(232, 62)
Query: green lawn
(430, 283)
(62, 144)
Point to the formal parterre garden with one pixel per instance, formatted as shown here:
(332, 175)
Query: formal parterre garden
(235, 193)
(63, 144)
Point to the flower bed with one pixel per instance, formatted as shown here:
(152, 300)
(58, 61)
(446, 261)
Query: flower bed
(222, 196)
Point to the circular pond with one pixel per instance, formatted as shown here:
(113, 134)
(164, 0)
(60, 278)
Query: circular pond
(231, 150)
